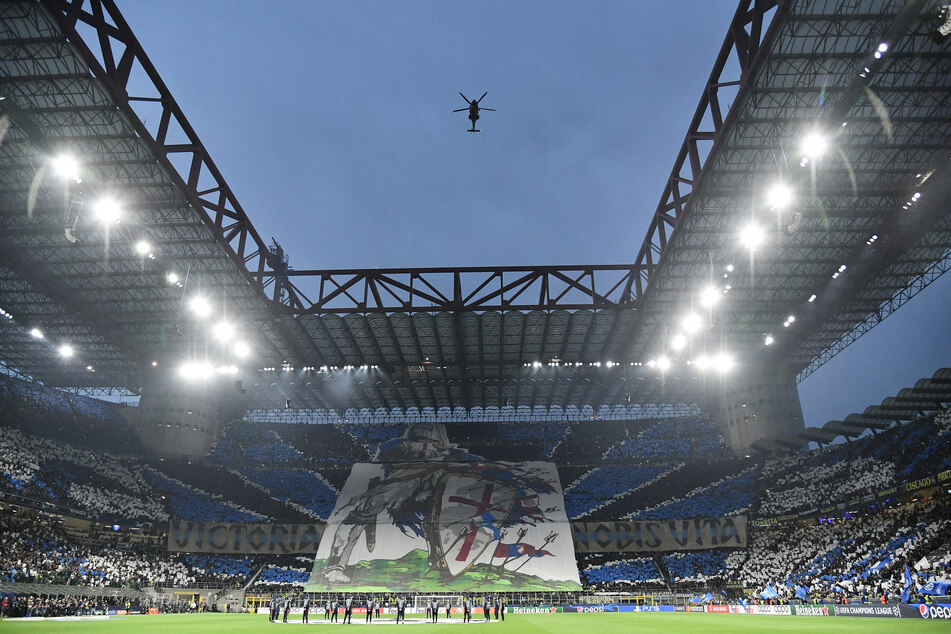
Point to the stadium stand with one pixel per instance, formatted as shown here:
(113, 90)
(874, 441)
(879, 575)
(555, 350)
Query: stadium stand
(625, 469)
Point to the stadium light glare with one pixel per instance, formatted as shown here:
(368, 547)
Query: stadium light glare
(814, 146)
(691, 323)
(36, 333)
(768, 341)
(752, 236)
(142, 247)
(172, 277)
(66, 167)
(223, 331)
(662, 364)
(678, 343)
(242, 350)
(195, 371)
(702, 362)
(779, 196)
(709, 297)
(66, 351)
(723, 362)
(200, 306)
(107, 211)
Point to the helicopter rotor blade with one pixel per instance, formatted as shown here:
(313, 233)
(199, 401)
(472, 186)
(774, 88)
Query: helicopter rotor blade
(489, 109)
(464, 97)
(461, 110)
(482, 97)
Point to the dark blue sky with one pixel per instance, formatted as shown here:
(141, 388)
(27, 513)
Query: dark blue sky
(331, 123)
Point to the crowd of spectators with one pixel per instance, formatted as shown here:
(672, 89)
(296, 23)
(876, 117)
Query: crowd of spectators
(729, 496)
(92, 482)
(675, 440)
(622, 573)
(304, 490)
(190, 503)
(847, 471)
(602, 484)
(619, 469)
(35, 549)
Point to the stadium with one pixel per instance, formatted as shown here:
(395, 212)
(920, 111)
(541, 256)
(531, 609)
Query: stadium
(196, 434)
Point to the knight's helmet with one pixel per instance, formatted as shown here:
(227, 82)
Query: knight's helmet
(420, 441)
(434, 433)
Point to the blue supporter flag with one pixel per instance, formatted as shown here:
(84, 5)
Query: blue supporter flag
(769, 592)
(906, 593)
(800, 592)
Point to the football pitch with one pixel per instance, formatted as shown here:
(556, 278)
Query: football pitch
(514, 624)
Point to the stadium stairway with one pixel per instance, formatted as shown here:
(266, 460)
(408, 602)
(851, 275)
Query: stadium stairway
(662, 569)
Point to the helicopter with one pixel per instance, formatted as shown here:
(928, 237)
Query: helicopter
(473, 109)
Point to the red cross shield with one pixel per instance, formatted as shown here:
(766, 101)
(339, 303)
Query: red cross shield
(472, 516)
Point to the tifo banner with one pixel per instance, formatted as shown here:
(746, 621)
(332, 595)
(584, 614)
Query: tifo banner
(657, 536)
(428, 517)
(221, 537)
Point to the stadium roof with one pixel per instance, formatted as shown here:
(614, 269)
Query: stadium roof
(928, 395)
(863, 232)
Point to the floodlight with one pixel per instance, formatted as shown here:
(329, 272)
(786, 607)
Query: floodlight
(779, 196)
(709, 296)
(241, 349)
(222, 331)
(107, 211)
(678, 343)
(195, 371)
(36, 333)
(768, 341)
(142, 247)
(66, 167)
(723, 362)
(702, 363)
(66, 351)
(691, 323)
(172, 277)
(752, 236)
(663, 364)
(200, 306)
(814, 146)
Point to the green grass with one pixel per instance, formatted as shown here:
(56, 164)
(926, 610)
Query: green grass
(514, 624)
